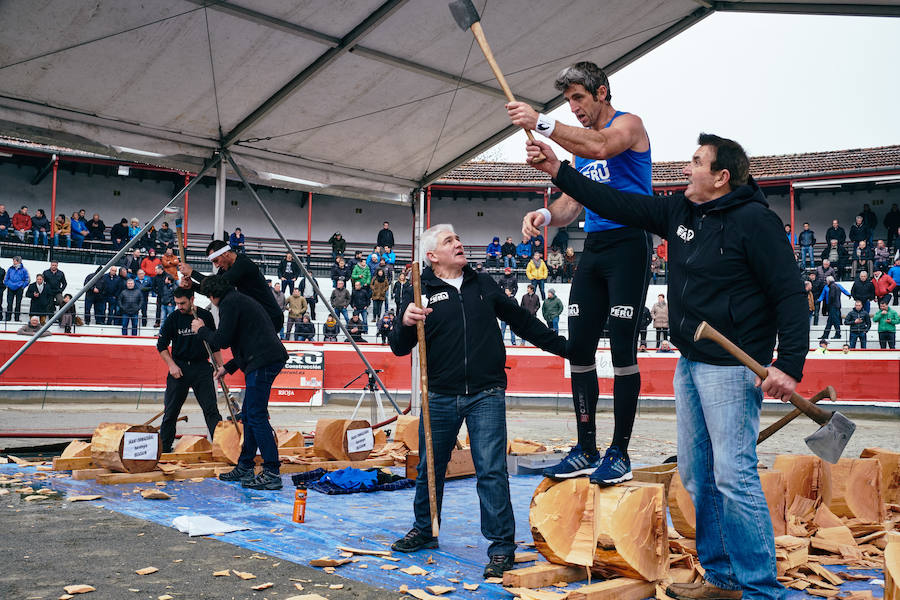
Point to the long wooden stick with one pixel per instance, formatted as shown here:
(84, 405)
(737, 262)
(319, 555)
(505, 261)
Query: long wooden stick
(426, 416)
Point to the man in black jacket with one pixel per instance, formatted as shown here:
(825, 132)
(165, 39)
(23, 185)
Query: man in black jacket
(466, 381)
(56, 281)
(385, 236)
(247, 329)
(40, 298)
(836, 232)
(859, 321)
(720, 231)
(288, 271)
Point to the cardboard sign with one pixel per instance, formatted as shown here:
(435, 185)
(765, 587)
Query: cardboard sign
(140, 445)
(360, 440)
(301, 381)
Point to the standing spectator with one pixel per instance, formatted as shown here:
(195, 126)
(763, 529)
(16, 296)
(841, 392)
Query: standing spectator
(493, 252)
(118, 234)
(571, 263)
(288, 271)
(530, 302)
(96, 229)
(144, 285)
(512, 334)
(311, 299)
(787, 232)
(6, 223)
(660, 314)
(339, 270)
(150, 262)
(892, 223)
(297, 307)
(863, 290)
(537, 246)
(56, 282)
(132, 262)
(508, 252)
(41, 301)
(236, 241)
(836, 255)
(338, 244)
(63, 231)
(373, 259)
(390, 259)
(536, 271)
(401, 293)
(165, 298)
(870, 220)
(555, 264)
(860, 323)
(357, 259)
(881, 255)
(859, 231)
(2, 289)
(862, 258)
(894, 273)
(340, 300)
(331, 329)
(67, 319)
(360, 299)
(15, 280)
(280, 302)
(825, 270)
(644, 323)
(361, 274)
(159, 279)
(887, 320)
(40, 227)
(165, 238)
(170, 263)
(810, 299)
(831, 299)
(807, 240)
(385, 236)
(79, 230)
(21, 224)
(553, 307)
(356, 327)
(884, 284)
(561, 239)
(509, 281)
(523, 251)
(817, 284)
(655, 267)
(130, 301)
(835, 232)
(380, 286)
(385, 325)
(93, 299)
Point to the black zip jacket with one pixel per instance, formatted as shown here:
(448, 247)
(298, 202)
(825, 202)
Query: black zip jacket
(248, 279)
(247, 329)
(462, 338)
(865, 322)
(730, 265)
(56, 281)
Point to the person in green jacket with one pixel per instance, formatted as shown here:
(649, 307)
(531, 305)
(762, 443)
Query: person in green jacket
(551, 310)
(361, 273)
(887, 319)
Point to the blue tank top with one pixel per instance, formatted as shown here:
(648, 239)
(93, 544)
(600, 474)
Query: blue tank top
(629, 171)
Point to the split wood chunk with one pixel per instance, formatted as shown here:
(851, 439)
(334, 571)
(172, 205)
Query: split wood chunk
(414, 570)
(614, 589)
(263, 586)
(681, 508)
(527, 594)
(328, 562)
(331, 439)
(307, 597)
(77, 449)
(856, 490)
(192, 443)
(522, 557)
(790, 552)
(364, 552)
(520, 446)
(79, 589)
(224, 573)
(406, 430)
(243, 574)
(437, 590)
(108, 446)
(805, 475)
(656, 474)
(227, 442)
(155, 495)
(146, 570)
(892, 567)
(289, 439)
(618, 530)
(775, 491)
(825, 518)
(471, 587)
(890, 472)
(380, 440)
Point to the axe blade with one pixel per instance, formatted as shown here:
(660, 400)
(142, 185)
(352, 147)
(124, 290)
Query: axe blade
(464, 13)
(830, 440)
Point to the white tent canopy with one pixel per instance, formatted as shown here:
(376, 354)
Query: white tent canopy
(362, 98)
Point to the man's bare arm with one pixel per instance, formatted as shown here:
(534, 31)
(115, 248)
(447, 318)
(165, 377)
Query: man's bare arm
(563, 211)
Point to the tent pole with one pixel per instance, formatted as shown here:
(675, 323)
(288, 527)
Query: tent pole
(115, 259)
(420, 213)
(219, 213)
(311, 279)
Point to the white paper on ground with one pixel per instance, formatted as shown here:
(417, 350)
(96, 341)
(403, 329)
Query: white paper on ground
(202, 525)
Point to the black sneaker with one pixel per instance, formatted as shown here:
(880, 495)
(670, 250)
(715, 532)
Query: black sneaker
(238, 473)
(498, 565)
(264, 480)
(413, 541)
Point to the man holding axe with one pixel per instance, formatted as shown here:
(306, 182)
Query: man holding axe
(730, 265)
(466, 382)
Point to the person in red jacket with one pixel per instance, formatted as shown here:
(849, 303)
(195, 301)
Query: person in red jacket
(21, 223)
(150, 262)
(884, 285)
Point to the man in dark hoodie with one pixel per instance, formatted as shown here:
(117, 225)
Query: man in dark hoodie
(719, 231)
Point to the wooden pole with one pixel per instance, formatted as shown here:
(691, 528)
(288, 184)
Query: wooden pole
(426, 416)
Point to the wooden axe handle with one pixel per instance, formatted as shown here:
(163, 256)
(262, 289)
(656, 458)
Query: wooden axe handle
(705, 331)
(780, 423)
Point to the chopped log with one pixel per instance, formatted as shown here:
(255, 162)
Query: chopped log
(856, 489)
(618, 530)
(380, 439)
(614, 589)
(227, 442)
(70, 464)
(77, 449)
(289, 439)
(774, 488)
(542, 575)
(790, 552)
(406, 430)
(520, 446)
(108, 447)
(804, 475)
(892, 567)
(656, 474)
(460, 465)
(332, 439)
(192, 443)
(890, 472)
(681, 508)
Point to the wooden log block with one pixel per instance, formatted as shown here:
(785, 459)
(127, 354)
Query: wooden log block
(288, 439)
(460, 465)
(856, 490)
(334, 465)
(892, 567)
(227, 442)
(76, 449)
(618, 530)
(70, 464)
(86, 474)
(192, 443)
(774, 488)
(614, 589)
(804, 475)
(116, 478)
(890, 472)
(188, 457)
(333, 437)
(681, 508)
(542, 575)
(406, 430)
(126, 448)
(656, 474)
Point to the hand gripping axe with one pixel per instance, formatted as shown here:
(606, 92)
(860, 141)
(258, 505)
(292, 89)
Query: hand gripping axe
(830, 440)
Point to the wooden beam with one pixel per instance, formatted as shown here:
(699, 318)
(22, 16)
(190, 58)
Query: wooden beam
(615, 589)
(151, 476)
(542, 575)
(71, 464)
(187, 457)
(334, 465)
(85, 474)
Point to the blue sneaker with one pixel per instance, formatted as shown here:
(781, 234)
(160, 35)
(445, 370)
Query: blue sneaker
(614, 468)
(575, 464)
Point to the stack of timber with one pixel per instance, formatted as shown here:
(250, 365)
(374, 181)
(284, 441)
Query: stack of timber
(338, 444)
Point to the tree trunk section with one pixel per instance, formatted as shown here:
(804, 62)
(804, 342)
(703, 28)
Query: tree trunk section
(681, 508)
(227, 442)
(331, 439)
(406, 430)
(890, 472)
(804, 475)
(774, 487)
(892, 567)
(107, 445)
(619, 530)
(76, 449)
(856, 490)
(192, 443)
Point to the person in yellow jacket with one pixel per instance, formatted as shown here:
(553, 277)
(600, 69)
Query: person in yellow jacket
(536, 271)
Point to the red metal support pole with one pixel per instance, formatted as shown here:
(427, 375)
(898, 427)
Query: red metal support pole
(793, 229)
(53, 200)
(184, 225)
(308, 226)
(546, 202)
(428, 207)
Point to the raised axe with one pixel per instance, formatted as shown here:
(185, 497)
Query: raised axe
(466, 16)
(161, 413)
(831, 438)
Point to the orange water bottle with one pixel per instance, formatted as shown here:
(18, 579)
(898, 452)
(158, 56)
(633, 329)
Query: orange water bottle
(300, 504)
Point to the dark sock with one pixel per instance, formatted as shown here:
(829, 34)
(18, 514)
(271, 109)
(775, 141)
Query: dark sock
(585, 390)
(625, 398)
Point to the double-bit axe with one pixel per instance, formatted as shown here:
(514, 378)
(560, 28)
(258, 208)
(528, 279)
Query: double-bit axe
(831, 438)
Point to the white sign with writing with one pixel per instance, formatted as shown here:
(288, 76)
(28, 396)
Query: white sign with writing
(360, 440)
(140, 446)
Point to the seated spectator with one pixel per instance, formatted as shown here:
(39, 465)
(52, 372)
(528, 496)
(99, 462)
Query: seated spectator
(859, 232)
(134, 228)
(379, 287)
(884, 284)
(96, 229)
(118, 234)
(561, 239)
(825, 270)
(356, 327)
(509, 281)
(836, 255)
(31, 327)
(385, 325)
(863, 290)
(862, 258)
(62, 231)
(338, 245)
(40, 227)
(56, 282)
(21, 224)
(361, 274)
(887, 320)
(385, 236)
(360, 298)
(165, 238)
(340, 300)
(150, 262)
(571, 263)
(331, 329)
(170, 263)
(340, 270)
(523, 251)
(655, 267)
(479, 268)
(536, 271)
(537, 246)
(236, 241)
(664, 347)
(288, 271)
(79, 230)
(555, 265)
(881, 255)
(508, 252)
(860, 323)
(67, 319)
(5, 223)
(552, 309)
(132, 262)
(297, 307)
(492, 253)
(306, 331)
(41, 300)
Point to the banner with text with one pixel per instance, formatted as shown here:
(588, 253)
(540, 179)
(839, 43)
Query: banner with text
(301, 381)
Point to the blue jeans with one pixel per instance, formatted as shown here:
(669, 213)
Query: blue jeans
(554, 325)
(133, 319)
(258, 432)
(539, 287)
(485, 417)
(806, 252)
(512, 336)
(861, 336)
(66, 238)
(509, 261)
(718, 423)
(834, 319)
(342, 312)
(42, 235)
(164, 311)
(78, 239)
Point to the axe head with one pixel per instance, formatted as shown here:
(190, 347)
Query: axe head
(830, 440)
(464, 12)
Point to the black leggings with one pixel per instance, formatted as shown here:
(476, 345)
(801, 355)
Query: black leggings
(609, 289)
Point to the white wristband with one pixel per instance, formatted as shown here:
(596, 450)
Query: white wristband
(545, 125)
(546, 214)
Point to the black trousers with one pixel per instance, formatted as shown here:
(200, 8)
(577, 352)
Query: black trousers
(14, 296)
(195, 376)
(887, 339)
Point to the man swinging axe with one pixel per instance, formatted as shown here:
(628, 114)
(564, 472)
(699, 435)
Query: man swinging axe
(467, 382)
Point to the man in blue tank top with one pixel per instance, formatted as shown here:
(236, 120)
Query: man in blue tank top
(610, 284)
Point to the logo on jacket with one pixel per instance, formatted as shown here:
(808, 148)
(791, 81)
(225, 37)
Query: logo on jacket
(684, 233)
(438, 297)
(573, 310)
(621, 312)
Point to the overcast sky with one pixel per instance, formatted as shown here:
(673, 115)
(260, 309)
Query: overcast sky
(778, 84)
